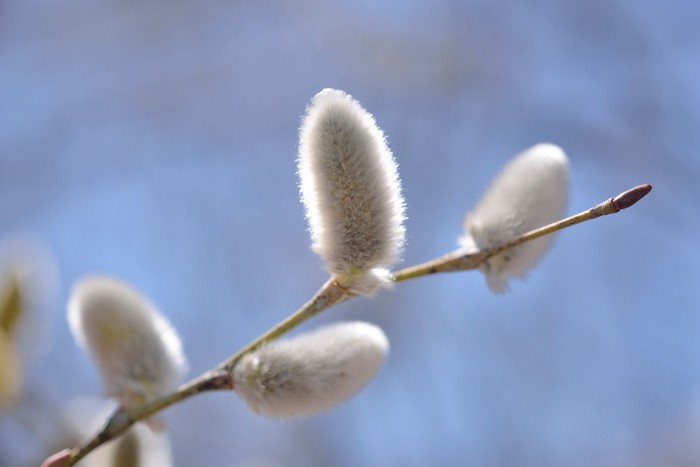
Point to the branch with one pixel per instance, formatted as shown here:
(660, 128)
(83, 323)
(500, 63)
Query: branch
(218, 378)
(331, 294)
(460, 260)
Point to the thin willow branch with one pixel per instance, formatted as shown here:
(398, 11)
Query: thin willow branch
(460, 260)
(217, 379)
(331, 294)
(122, 419)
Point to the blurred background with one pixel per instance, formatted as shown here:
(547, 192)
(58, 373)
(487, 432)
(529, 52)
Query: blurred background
(156, 141)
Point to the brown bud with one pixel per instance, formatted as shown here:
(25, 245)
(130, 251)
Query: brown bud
(630, 197)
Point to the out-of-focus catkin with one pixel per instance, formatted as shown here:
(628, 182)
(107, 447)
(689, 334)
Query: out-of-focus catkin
(351, 191)
(531, 191)
(10, 372)
(311, 372)
(137, 351)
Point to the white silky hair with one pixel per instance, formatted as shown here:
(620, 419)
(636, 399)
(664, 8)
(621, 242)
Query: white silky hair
(311, 372)
(531, 191)
(137, 351)
(351, 191)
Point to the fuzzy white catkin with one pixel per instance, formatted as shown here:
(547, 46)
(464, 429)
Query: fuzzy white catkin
(312, 372)
(351, 191)
(137, 351)
(531, 191)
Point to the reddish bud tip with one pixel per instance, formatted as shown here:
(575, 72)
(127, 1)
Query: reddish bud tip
(57, 460)
(631, 196)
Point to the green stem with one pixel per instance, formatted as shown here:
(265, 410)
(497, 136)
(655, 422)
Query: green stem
(460, 260)
(330, 294)
(217, 379)
(122, 419)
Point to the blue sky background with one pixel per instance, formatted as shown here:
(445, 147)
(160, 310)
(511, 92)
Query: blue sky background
(156, 141)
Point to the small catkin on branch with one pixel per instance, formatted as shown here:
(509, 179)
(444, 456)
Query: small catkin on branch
(531, 190)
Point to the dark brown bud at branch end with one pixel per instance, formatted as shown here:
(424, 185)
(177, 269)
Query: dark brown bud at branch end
(630, 197)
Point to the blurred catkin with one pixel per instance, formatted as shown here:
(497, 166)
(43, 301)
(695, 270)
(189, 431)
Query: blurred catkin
(137, 351)
(530, 192)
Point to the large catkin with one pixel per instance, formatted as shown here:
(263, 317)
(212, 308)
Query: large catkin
(531, 191)
(312, 372)
(351, 191)
(137, 351)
